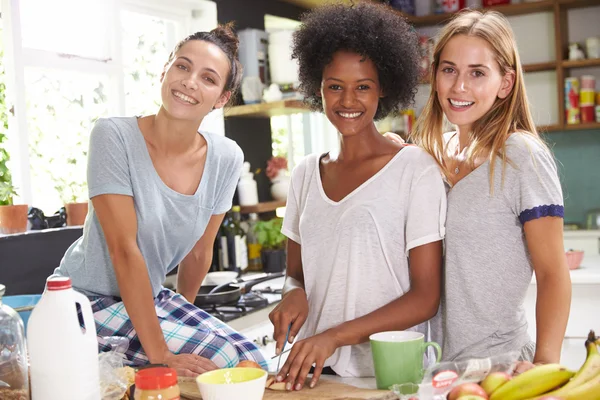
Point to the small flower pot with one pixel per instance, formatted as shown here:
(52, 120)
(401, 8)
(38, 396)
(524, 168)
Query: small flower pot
(76, 213)
(13, 219)
(273, 260)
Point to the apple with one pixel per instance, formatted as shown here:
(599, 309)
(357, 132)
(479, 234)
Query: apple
(471, 397)
(465, 389)
(270, 381)
(248, 364)
(272, 384)
(494, 380)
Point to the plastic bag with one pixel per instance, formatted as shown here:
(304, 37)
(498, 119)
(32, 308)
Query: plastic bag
(115, 377)
(439, 379)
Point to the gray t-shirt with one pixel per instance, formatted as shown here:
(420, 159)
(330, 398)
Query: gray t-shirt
(169, 223)
(487, 264)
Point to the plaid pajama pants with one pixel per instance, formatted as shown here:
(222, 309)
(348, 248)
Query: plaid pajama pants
(187, 329)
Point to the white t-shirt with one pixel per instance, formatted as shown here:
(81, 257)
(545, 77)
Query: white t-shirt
(355, 251)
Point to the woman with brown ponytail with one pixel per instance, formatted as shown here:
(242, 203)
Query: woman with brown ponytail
(159, 189)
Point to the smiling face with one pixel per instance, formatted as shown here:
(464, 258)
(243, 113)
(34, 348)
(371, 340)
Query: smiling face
(350, 91)
(193, 82)
(468, 80)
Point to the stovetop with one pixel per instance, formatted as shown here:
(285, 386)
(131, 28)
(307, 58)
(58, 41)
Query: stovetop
(248, 303)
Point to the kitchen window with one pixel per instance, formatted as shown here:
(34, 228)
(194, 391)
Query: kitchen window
(70, 62)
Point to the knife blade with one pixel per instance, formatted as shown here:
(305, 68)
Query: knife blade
(287, 335)
(285, 351)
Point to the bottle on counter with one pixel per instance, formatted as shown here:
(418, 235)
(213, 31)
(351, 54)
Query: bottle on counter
(254, 247)
(14, 376)
(63, 355)
(237, 251)
(247, 187)
(158, 383)
(223, 245)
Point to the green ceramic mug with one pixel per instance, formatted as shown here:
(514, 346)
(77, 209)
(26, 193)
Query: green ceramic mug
(398, 357)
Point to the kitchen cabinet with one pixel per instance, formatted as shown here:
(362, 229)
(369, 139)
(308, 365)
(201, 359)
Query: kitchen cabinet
(585, 303)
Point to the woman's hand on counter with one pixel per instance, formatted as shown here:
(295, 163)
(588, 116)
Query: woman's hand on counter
(523, 366)
(292, 309)
(314, 350)
(190, 365)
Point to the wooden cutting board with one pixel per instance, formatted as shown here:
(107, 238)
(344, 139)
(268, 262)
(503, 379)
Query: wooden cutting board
(325, 390)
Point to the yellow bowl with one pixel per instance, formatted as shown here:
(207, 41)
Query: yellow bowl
(232, 383)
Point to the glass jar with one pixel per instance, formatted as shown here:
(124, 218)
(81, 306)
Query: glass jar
(14, 377)
(158, 383)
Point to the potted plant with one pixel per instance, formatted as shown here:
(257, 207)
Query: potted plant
(268, 234)
(13, 218)
(73, 194)
(277, 172)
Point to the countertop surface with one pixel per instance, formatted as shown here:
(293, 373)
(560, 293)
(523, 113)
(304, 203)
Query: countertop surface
(587, 273)
(364, 383)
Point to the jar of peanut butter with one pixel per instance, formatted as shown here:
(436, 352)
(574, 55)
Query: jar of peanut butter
(156, 384)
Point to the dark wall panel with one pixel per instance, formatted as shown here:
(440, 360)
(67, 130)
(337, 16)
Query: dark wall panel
(251, 13)
(253, 135)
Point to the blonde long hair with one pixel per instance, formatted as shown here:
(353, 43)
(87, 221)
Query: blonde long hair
(511, 114)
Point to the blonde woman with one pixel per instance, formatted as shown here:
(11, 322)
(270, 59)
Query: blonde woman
(505, 205)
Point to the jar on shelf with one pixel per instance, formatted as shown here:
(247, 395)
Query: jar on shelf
(14, 376)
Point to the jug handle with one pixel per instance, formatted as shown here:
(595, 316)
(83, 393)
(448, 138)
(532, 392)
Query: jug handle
(86, 311)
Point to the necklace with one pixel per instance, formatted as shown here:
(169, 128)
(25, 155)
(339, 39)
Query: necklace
(458, 156)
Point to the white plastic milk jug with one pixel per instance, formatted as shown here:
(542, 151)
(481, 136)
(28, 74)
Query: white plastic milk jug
(63, 356)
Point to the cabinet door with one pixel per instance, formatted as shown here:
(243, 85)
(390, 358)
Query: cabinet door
(573, 353)
(585, 303)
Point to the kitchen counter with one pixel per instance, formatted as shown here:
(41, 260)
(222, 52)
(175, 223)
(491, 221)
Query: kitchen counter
(363, 383)
(587, 273)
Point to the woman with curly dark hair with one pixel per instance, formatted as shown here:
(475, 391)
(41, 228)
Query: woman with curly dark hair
(365, 225)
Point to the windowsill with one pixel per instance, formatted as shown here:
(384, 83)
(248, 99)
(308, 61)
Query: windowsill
(33, 232)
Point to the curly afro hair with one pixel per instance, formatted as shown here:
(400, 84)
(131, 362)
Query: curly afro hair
(372, 30)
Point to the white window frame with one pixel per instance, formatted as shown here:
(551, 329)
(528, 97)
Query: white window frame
(189, 16)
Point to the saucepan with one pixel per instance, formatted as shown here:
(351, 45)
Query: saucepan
(230, 293)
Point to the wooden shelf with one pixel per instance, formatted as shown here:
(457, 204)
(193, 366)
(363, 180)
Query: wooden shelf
(580, 127)
(539, 67)
(549, 128)
(262, 207)
(314, 3)
(593, 62)
(507, 9)
(570, 4)
(267, 110)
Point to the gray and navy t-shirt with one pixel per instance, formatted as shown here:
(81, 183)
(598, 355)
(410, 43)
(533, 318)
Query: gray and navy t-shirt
(169, 223)
(487, 265)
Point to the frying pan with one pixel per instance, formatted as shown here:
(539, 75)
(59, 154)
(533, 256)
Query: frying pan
(230, 293)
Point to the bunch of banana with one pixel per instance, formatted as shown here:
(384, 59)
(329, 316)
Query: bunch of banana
(533, 382)
(553, 381)
(585, 385)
